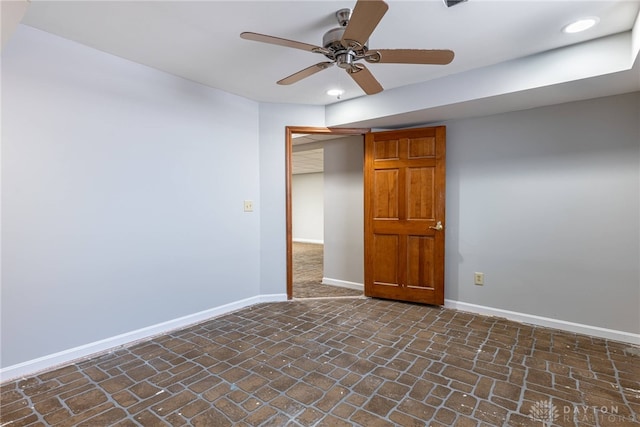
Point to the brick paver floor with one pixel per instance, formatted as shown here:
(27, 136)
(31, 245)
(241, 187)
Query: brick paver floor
(342, 362)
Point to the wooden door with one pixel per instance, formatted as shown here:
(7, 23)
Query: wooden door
(404, 194)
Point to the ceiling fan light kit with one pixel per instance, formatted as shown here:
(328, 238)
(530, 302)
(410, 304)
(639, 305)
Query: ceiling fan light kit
(335, 92)
(347, 44)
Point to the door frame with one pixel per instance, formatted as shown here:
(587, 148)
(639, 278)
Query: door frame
(289, 131)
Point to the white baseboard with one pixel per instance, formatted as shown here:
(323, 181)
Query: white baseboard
(343, 284)
(317, 242)
(564, 325)
(66, 357)
(74, 354)
(271, 298)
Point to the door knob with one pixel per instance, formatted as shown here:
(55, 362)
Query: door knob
(437, 227)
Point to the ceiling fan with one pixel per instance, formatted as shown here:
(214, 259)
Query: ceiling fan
(347, 44)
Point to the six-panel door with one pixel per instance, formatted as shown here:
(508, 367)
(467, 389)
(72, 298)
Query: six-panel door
(405, 215)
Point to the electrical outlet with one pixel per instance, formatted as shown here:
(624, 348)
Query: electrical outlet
(478, 278)
(248, 206)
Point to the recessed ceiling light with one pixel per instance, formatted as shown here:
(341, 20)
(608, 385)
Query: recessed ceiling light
(581, 25)
(335, 92)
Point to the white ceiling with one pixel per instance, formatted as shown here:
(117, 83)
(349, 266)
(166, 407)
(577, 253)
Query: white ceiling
(307, 138)
(199, 40)
(308, 152)
(310, 161)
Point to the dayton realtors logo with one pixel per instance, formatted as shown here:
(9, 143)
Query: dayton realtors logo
(544, 411)
(547, 413)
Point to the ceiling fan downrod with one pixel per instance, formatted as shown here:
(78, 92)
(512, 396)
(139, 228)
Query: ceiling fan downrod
(343, 16)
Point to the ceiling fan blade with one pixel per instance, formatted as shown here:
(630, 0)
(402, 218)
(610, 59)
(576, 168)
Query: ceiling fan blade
(296, 77)
(364, 19)
(278, 41)
(365, 80)
(412, 56)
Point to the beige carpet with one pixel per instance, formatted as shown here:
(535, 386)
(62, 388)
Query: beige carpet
(307, 274)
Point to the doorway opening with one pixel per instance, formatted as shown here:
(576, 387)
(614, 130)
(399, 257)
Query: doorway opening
(306, 241)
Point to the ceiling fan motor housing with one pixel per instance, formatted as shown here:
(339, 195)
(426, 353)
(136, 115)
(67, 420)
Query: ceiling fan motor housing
(344, 56)
(332, 41)
(332, 38)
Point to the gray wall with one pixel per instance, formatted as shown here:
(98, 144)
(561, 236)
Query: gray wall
(114, 217)
(546, 202)
(344, 210)
(307, 207)
(113, 213)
